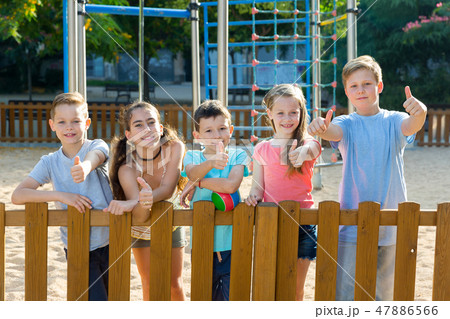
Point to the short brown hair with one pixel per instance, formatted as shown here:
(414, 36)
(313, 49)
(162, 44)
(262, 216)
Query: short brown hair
(363, 62)
(71, 98)
(210, 108)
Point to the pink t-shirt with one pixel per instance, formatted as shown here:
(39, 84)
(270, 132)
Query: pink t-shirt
(277, 185)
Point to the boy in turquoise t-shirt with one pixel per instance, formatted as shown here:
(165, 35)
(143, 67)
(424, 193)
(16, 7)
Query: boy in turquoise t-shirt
(215, 170)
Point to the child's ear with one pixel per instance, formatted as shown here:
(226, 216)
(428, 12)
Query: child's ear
(195, 134)
(50, 122)
(88, 123)
(231, 129)
(380, 87)
(269, 113)
(127, 134)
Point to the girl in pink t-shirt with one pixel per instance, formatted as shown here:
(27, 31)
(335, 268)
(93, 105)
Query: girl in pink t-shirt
(283, 171)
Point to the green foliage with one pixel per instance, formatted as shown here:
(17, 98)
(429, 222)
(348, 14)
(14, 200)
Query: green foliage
(418, 57)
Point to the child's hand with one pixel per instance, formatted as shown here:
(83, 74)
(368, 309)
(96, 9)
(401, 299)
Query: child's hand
(253, 199)
(187, 193)
(320, 125)
(299, 155)
(78, 201)
(118, 207)
(146, 194)
(219, 160)
(412, 105)
(79, 170)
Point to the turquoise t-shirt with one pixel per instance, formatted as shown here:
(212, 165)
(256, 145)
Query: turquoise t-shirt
(222, 234)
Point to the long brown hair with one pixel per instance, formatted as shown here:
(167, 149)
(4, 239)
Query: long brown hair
(122, 153)
(289, 90)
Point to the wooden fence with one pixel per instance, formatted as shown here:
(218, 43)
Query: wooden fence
(28, 121)
(264, 243)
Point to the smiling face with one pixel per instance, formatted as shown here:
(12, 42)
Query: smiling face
(285, 116)
(363, 92)
(213, 130)
(70, 122)
(145, 129)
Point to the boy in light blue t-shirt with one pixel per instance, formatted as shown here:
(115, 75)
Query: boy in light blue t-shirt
(215, 169)
(372, 141)
(78, 173)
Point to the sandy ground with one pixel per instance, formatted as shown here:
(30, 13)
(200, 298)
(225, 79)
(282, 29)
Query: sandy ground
(427, 178)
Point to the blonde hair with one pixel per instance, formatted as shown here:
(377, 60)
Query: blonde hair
(365, 62)
(71, 98)
(289, 90)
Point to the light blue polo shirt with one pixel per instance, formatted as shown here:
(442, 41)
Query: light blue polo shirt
(222, 234)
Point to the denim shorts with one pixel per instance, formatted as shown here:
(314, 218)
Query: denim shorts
(178, 240)
(307, 242)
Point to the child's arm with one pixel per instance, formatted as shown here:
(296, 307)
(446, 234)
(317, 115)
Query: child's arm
(133, 202)
(219, 161)
(80, 170)
(325, 129)
(227, 185)
(417, 111)
(307, 152)
(27, 192)
(257, 190)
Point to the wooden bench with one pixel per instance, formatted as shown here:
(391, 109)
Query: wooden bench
(124, 90)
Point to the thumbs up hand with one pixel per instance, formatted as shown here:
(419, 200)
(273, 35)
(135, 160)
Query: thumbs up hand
(298, 155)
(320, 125)
(146, 194)
(412, 105)
(219, 160)
(80, 170)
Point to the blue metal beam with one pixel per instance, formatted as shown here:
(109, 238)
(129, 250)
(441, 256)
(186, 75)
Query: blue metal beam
(134, 11)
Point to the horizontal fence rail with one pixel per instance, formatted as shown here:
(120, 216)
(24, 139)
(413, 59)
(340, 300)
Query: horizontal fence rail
(28, 122)
(264, 243)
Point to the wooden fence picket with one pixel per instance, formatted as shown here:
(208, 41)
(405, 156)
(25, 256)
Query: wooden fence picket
(36, 251)
(119, 257)
(161, 251)
(327, 251)
(2, 251)
(242, 248)
(367, 251)
(202, 250)
(406, 251)
(264, 260)
(77, 254)
(287, 247)
(441, 275)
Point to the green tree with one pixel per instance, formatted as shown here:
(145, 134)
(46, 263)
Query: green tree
(409, 52)
(29, 33)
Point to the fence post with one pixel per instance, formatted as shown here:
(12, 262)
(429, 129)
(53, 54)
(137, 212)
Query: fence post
(441, 275)
(2, 251)
(119, 257)
(406, 251)
(367, 251)
(77, 254)
(327, 251)
(36, 233)
(242, 248)
(161, 251)
(265, 259)
(202, 251)
(287, 247)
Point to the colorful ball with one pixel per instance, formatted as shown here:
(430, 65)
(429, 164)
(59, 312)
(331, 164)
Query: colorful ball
(225, 202)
